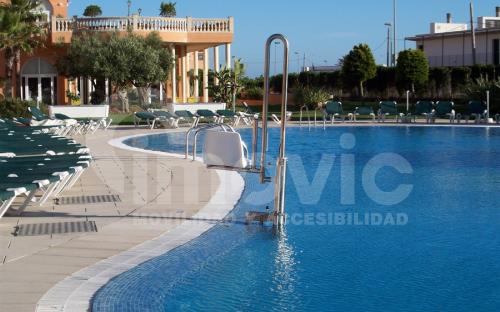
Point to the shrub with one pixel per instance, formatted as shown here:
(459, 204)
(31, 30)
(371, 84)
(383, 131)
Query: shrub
(312, 97)
(254, 93)
(12, 108)
(477, 91)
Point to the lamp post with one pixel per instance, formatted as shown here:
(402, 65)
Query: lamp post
(394, 45)
(129, 4)
(298, 61)
(139, 11)
(389, 50)
(235, 83)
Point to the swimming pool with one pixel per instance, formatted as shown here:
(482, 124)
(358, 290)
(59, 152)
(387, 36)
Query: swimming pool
(380, 218)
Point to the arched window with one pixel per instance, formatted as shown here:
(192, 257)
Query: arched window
(38, 66)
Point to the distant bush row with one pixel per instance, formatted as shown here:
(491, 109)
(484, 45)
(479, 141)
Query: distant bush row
(443, 82)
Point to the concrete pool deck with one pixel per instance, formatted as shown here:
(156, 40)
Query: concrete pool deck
(164, 202)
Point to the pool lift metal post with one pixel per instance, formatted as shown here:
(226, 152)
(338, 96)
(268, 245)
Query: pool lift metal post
(280, 178)
(278, 217)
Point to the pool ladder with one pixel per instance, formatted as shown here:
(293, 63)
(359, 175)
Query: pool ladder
(278, 216)
(315, 123)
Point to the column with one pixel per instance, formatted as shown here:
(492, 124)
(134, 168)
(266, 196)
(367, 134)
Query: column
(183, 74)
(174, 77)
(89, 90)
(161, 92)
(205, 76)
(228, 55)
(216, 64)
(52, 99)
(106, 87)
(188, 68)
(196, 78)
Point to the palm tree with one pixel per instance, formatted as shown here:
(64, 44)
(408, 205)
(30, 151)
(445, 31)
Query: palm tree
(20, 33)
(167, 9)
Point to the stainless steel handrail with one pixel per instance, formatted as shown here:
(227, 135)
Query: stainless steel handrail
(308, 117)
(279, 194)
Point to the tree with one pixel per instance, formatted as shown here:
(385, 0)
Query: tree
(19, 34)
(412, 70)
(167, 9)
(358, 66)
(77, 63)
(223, 92)
(92, 11)
(125, 60)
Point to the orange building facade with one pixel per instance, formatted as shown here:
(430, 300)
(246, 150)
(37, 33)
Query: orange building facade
(188, 39)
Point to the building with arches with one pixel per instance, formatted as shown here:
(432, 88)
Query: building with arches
(194, 42)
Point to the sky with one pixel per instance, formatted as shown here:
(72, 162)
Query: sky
(322, 30)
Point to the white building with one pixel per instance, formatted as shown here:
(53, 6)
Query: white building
(450, 44)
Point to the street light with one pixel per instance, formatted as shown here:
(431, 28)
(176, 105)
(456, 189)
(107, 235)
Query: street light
(139, 11)
(394, 44)
(129, 3)
(298, 61)
(235, 83)
(389, 46)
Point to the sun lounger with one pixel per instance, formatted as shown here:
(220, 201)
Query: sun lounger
(228, 114)
(362, 111)
(475, 109)
(444, 109)
(149, 117)
(277, 120)
(334, 110)
(207, 115)
(40, 119)
(389, 108)
(423, 108)
(167, 119)
(187, 116)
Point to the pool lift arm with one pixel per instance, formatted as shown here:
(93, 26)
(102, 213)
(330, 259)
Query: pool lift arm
(278, 217)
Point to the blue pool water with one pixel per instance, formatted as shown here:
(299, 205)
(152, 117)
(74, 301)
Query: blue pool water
(380, 219)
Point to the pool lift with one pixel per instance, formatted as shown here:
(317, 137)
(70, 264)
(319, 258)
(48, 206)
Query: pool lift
(225, 150)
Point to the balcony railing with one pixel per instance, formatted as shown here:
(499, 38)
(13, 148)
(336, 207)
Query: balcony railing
(139, 23)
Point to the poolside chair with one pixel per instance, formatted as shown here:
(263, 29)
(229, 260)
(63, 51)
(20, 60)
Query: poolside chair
(334, 109)
(389, 108)
(40, 119)
(167, 119)
(208, 115)
(423, 108)
(362, 111)
(248, 115)
(148, 117)
(444, 109)
(277, 120)
(185, 115)
(228, 114)
(476, 109)
(6, 200)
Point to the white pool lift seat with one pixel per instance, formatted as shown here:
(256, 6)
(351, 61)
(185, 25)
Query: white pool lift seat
(225, 149)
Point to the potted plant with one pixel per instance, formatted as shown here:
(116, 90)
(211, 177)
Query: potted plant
(73, 98)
